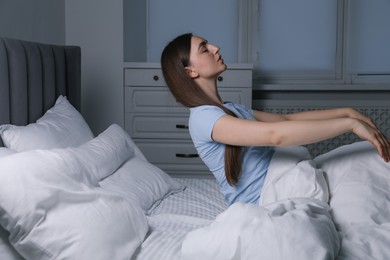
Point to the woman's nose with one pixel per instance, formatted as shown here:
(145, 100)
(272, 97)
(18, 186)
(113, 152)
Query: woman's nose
(215, 48)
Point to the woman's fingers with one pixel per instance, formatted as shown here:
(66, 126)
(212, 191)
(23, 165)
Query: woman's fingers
(358, 115)
(383, 145)
(386, 148)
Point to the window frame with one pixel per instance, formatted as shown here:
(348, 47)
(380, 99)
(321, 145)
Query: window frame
(340, 79)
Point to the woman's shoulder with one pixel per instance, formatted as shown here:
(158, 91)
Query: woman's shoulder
(201, 122)
(203, 108)
(205, 113)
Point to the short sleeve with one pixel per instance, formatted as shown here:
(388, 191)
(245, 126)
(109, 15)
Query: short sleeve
(240, 107)
(201, 122)
(247, 109)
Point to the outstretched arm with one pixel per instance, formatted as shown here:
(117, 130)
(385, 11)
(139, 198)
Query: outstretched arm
(313, 115)
(235, 131)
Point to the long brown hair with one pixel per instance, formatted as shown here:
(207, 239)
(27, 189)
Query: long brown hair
(174, 58)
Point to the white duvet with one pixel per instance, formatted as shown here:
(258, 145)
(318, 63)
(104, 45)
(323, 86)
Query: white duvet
(334, 207)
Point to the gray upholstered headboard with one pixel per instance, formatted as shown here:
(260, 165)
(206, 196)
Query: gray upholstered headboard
(33, 75)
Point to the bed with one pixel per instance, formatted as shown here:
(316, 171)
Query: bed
(67, 194)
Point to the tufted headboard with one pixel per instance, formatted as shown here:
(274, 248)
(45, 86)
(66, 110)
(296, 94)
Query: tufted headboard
(33, 75)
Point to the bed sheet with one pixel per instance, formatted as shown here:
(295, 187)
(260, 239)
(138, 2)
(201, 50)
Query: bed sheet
(178, 214)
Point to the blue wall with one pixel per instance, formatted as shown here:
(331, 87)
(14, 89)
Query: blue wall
(33, 20)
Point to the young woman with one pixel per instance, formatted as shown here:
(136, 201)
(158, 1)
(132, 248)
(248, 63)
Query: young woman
(236, 142)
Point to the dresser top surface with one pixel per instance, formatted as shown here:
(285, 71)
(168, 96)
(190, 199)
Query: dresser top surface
(156, 65)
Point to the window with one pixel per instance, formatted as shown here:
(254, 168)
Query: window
(216, 20)
(339, 42)
(169, 18)
(368, 40)
(316, 41)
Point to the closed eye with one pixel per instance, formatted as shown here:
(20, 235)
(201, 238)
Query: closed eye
(203, 46)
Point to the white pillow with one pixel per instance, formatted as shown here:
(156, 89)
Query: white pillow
(6, 151)
(60, 121)
(141, 182)
(61, 126)
(52, 210)
(104, 154)
(7, 252)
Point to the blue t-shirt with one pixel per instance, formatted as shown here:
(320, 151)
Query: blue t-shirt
(255, 159)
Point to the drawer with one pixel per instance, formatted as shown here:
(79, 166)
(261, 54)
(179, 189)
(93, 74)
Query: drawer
(144, 77)
(186, 171)
(152, 99)
(175, 157)
(157, 126)
(154, 77)
(232, 78)
(160, 100)
(169, 152)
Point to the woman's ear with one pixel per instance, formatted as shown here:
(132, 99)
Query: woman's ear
(191, 72)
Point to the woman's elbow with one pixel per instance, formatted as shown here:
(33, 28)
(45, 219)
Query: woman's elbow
(277, 139)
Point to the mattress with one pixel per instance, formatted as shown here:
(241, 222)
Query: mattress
(171, 219)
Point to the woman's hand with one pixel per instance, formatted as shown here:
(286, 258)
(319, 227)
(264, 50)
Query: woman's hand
(372, 134)
(353, 113)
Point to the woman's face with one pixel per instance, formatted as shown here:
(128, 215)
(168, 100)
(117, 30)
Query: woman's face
(205, 59)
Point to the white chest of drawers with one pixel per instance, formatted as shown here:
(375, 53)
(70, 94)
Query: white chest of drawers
(158, 124)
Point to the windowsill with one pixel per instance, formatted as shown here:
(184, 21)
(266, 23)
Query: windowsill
(321, 87)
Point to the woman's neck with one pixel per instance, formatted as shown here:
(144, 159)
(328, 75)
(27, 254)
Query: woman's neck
(209, 86)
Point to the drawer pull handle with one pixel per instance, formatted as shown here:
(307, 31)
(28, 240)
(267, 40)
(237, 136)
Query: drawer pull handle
(220, 78)
(155, 77)
(182, 126)
(187, 155)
